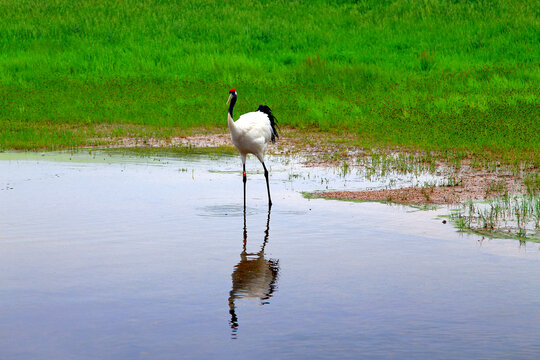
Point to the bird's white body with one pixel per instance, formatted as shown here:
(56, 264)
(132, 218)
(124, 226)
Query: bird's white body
(251, 134)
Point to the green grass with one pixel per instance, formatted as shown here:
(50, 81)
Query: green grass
(430, 75)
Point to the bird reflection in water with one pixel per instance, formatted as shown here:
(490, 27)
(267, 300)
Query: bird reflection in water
(253, 277)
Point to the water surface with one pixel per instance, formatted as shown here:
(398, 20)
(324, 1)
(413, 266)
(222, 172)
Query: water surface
(117, 257)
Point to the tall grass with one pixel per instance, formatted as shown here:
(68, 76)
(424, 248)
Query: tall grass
(432, 74)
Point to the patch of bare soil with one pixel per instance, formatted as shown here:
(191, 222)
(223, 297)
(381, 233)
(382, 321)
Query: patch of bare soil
(285, 145)
(469, 182)
(473, 184)
(210, 140)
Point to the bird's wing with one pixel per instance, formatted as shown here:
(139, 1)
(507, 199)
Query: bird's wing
(255, 125)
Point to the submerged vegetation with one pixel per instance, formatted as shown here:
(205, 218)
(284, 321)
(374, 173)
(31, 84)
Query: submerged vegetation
(517, 216)
(492, 200)
(513, 216)
(427, 75)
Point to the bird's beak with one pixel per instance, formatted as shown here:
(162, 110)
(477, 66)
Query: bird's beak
(230, 97)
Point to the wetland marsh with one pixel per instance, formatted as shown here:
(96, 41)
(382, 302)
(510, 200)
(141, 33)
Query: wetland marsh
(114, 255)
(106, 255)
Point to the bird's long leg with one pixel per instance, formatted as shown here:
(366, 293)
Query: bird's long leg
(245, 229)
(244, 179)
(267, 184)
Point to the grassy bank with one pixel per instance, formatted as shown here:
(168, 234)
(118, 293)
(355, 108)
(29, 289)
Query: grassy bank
(430, 75)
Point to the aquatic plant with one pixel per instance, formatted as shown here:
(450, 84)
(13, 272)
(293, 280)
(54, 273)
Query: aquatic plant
(516, 216)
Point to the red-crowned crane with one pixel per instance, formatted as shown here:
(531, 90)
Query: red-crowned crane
(251, 134)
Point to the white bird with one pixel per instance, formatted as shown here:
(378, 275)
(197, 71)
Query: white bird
(251, 134)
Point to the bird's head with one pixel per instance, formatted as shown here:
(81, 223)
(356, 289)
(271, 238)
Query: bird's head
(232, 94)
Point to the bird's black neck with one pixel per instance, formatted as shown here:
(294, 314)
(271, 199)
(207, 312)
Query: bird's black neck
(231, 106)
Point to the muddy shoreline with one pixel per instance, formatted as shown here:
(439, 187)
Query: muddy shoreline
(470, 182)
(473, 185)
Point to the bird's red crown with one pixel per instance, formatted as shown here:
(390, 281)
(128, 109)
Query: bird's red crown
(232, 90)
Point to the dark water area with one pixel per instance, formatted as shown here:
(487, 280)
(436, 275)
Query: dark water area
(117, 257)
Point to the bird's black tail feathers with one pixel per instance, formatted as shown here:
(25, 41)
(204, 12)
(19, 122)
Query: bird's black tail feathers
(273, 121)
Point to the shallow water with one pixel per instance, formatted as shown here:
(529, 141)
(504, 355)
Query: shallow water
(116, 257)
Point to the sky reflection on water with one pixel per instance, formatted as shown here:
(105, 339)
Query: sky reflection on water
(121, 257)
